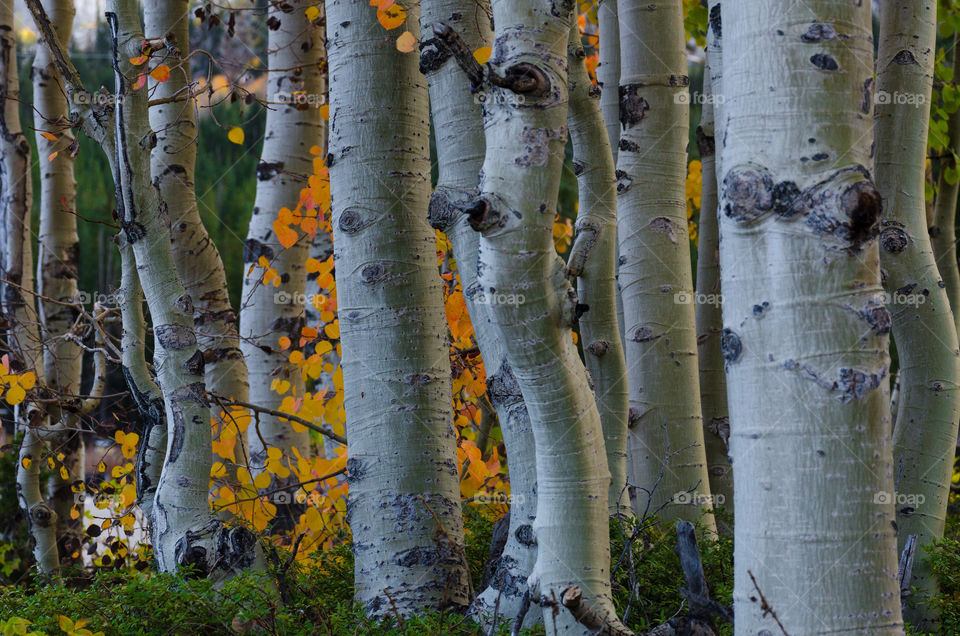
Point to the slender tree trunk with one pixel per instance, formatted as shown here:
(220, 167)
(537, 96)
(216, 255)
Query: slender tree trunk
(57, 272)
(608, 70)
(708, 313)
(19, 308)
(593, 260)
(172, 162)
(142, 386)
(525, 126)
(404, 496)
(943, 233)
(458, 126)
(268, 312)
(666, 444)
(925, 437)
(806, 331)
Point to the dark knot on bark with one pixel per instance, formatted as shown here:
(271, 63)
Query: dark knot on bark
(523, 79)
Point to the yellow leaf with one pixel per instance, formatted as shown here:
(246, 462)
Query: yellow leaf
(236, 135)
(262, 480)
(64, 473)
(65, 623)
(26, 462)
(101, 467)
(482, 54)
(15, 395)
(392, 17)
(325, 111)
(218, 470)
(27, 380)
(312, 13)
(333, 329)
(406, 42)
(161, 73)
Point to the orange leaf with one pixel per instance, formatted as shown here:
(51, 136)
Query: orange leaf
(49, 136)
(392, 17)
(406, 42)
(286, 236)
(161, 73)
(141, 80)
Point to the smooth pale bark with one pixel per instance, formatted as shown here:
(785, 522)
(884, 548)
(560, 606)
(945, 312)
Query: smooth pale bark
(57, 271)
(172, 162)
(943, 232)
(294, 91)
(806, 330)
(458, 126)
(525, 131)
(608, 69)
(668, 465)
(404, 507)
(183, 530)
(708, 313)
(19, 302)
(925, 436)
(146, 394)
(593, 261)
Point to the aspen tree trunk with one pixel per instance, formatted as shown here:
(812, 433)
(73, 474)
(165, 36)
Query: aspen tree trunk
(295, 55)
(19, 302)
(458, 127)
(665, 444)
(805, 328)
(943, 233)
(608, 70)
(404, 508)
(925, 436)
(57, 272)
(172, 162)
(708, 313)
(593, 260)
(525, 126)
(143, 387)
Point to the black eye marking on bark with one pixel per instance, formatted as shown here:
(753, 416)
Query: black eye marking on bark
(623, 182)
(893, 238)
(523, 79)
(706, 144)
(629, 146)
(876, 315)
(904, 57)
(747, 193)
(824, 62)
(643, 334)
(268, 170)
(633, 107)
(867, 100)
(730, 346)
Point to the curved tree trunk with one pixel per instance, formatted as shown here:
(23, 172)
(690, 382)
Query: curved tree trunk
(19, 302)
(525, 130)
(458, 126)
(708, 313)
(172, 162)
(295, 55)
(809, 418)
(665, 444)
(925, 436)
(593, 260)
(404, 496)
(57, 272)
(943, 232)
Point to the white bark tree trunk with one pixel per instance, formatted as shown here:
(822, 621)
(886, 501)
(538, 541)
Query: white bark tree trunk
(593, 260)
(806, 331)
(57, 272)
(172, 163)
(943, 232)
(404, 505)
(708, 312)
(525, 126)
(665, 444)
(294, 125)
(925, 436)
(19, 303)
(608, 70)
(458, 127)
